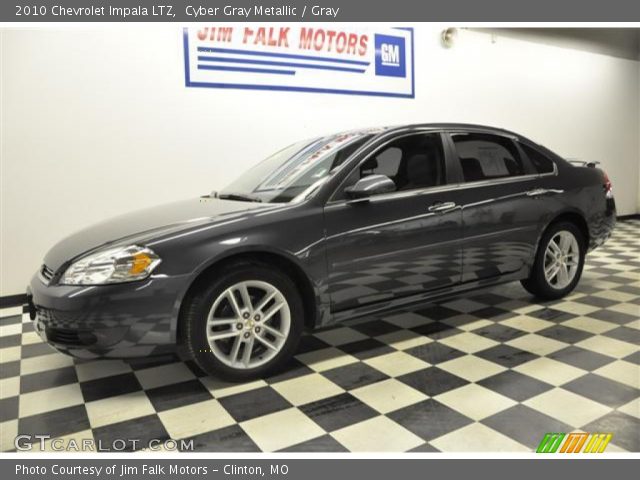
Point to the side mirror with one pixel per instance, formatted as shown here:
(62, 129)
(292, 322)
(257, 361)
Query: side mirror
(371, 185)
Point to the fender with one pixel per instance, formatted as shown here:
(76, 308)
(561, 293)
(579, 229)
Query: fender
(554, 218)
(318, 286)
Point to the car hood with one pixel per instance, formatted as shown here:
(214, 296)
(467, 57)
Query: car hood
(147, 224)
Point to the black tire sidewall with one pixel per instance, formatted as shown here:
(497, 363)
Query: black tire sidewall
(200, 304)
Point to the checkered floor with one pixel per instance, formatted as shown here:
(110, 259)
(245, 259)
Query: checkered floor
(492, 372)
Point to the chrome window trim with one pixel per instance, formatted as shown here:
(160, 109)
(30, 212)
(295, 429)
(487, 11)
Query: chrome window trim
(393, 195)
(440, 188)
(515, 178)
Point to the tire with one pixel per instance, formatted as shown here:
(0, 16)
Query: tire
(237, 329)
(557, 286)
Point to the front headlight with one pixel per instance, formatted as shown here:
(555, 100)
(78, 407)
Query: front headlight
(115, 265)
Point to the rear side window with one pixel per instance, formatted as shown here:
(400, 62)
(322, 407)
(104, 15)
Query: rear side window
(539, 160)
(485, 156)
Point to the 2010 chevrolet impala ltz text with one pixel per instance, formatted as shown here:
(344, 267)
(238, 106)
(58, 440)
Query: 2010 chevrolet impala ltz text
(325, 230)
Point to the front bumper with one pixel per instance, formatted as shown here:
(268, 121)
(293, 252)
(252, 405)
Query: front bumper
(125, 320)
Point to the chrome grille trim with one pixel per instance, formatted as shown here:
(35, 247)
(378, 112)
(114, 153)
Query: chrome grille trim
(46, 274)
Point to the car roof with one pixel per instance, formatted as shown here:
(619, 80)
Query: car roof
(389, 129)
(379, 130)
(471, 127)
(453, 126)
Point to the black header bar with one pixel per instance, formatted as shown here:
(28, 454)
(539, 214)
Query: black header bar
(319, 11)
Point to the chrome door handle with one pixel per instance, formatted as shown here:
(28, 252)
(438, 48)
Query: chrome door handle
(442, 206)
(536, 192)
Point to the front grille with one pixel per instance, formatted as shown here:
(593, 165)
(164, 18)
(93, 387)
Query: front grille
(46, 273)
(69, 337)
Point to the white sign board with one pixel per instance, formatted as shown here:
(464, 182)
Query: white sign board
(302, 58)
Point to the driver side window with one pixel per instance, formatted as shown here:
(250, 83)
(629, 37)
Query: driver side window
(413, 162)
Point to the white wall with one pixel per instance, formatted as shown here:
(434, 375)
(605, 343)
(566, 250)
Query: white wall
(98, 122)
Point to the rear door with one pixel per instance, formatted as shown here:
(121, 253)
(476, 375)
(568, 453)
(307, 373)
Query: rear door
(499, 216)
(397, 244)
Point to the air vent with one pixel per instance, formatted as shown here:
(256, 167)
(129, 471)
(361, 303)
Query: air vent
(46, 273)
(70, 337)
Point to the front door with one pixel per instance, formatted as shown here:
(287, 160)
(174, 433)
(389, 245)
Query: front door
(397, 244)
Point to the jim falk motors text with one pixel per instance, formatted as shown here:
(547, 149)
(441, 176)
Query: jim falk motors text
(125, 470)
(227, 469)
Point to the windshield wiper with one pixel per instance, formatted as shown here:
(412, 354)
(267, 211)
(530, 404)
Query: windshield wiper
(239, 196)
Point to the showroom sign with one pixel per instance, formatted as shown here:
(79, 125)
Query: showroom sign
(352, 61)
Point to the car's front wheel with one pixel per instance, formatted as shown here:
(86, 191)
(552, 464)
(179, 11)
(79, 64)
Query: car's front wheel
(243, 323)
(559, 262)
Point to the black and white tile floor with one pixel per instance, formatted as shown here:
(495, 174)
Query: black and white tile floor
(492, 372)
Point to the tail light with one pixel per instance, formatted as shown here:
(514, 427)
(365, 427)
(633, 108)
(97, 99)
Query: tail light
(608, 187)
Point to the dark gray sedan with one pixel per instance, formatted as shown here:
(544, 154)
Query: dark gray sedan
(325, 230)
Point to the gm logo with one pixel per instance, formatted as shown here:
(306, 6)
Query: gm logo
(390, 56)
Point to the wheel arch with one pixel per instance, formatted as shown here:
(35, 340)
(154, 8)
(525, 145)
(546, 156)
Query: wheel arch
(575, 217)
(282, 261)
(533, 282)
(572, 216)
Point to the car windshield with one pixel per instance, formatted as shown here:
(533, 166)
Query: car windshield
(295, 171)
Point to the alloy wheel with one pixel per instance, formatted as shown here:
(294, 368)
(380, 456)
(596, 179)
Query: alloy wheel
(561, 259)
(248, 324)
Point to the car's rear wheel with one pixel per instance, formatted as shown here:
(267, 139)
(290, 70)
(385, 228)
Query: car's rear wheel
(559, 262)
(244, 323)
